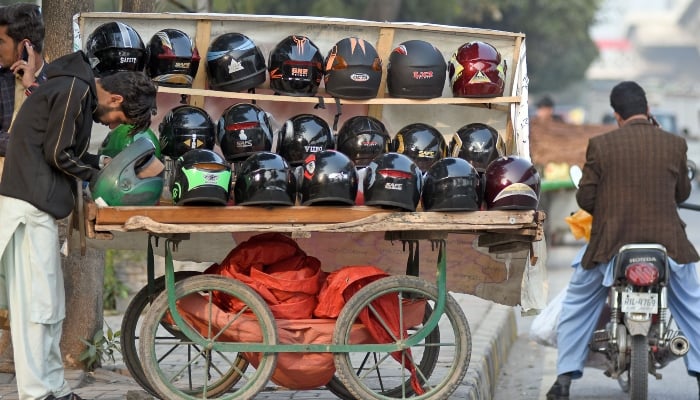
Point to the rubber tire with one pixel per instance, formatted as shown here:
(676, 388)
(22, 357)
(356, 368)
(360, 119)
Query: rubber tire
(439, 388)
(639, 368)
(253, 382)
(129, 336)
(427, 364)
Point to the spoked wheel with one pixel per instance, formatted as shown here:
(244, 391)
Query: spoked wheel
(176, 369)
(427, 362)
(639, 368)
(380, 375)
(131, 324)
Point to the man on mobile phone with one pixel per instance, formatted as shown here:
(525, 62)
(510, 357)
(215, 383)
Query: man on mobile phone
(21, 62)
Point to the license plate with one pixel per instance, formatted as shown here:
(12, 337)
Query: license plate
(640, 302)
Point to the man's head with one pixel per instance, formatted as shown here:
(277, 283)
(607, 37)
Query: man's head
(19, 23)
(125, 97)
(628, 99)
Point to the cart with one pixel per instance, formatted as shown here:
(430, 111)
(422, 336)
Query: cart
(189, 348)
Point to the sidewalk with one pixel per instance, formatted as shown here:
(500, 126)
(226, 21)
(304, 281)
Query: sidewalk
(493, 328)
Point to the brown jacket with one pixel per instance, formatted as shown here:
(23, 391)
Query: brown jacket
(632, 181)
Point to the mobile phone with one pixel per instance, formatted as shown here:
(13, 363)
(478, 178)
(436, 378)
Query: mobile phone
(25, 54)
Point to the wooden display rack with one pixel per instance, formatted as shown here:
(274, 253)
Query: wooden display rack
(490, 250)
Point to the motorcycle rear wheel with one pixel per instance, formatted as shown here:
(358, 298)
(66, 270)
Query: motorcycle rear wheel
(639, 368)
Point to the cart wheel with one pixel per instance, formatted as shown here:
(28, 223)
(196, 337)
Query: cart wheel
(382, 377)
(131, 323)
(427, 362)
(177, 372)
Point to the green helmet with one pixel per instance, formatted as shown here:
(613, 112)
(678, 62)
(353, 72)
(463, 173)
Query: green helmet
(119, 183)
(120, 137)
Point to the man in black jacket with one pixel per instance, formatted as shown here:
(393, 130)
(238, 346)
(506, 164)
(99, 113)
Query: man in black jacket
(47, 157)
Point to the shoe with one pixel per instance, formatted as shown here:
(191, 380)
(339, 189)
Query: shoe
(560, 389)
(70, 396)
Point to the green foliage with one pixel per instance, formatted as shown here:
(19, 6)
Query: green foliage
(101, 348)
(113, 288)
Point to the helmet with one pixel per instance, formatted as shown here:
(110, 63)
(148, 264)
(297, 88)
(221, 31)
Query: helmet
(119, 183)
(393, 180)
(120, 137)
(265, 178)
(243, 129)
(452, 184)
(302, 135)
(479, 144)
(201, 177)
(330, 177)
(416, 70)
(115, 46)
(184, 128)
(512, 183)
(234, 63)
(476, 70)
(172, 58)
(362, 138)
(295, 66)
(423, 143)
(353, 69)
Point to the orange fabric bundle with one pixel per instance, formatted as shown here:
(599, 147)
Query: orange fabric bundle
(580, 224)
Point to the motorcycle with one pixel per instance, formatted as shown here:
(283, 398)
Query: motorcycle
(636, 334)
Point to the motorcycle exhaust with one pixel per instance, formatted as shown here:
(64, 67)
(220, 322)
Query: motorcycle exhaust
(679, 345)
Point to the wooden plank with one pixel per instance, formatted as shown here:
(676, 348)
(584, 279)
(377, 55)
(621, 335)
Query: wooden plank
(203, 37)
(384, 48)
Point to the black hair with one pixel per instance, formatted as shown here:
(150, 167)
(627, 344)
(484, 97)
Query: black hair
(546, 101)
(24, 21)
(139, 95)
(627, 99)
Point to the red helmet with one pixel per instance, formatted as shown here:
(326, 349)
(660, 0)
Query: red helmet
(512, 183)
(476, 70)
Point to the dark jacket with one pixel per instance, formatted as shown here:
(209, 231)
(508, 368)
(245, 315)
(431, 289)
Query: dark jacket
(49, 139)
(633, 179)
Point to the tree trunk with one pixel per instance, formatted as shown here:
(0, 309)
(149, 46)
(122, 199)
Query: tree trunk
(138, 6)
(387, 10)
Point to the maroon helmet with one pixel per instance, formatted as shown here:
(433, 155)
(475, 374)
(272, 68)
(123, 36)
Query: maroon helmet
(477, 70)
(512, 183)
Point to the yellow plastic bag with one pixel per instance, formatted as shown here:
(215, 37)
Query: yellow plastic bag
(580, 224)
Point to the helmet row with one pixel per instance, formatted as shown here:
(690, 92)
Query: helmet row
(352, 68)
(244, 129)
(329, 177)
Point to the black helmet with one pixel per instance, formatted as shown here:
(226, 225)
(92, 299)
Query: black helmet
(329, 177)
(120, 183)
(201, 177)
(234, 63)
(512, 183)
(302, 135)
(243, 129)
(362, 138)
(452, 184)
(295, 66)
(423, 143)
(353, 69)
(265, 178)
(172, 58)
(184, 128)
(393, 180)
(115, 46)
(479, 144)
(416, 70)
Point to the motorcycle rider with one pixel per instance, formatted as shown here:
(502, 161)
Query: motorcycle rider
(633, 179)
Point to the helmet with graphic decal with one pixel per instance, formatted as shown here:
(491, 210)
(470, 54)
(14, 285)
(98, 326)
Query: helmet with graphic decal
(265, 179)
(184, 128)
(120, 137)
(302, 135)
(393, 180)
(243, 129)
(512, 183)
(115, 46)
(421, 142)
(234, 63)
(477, 70)
(362, 138)
(479, 144)
(295, 66)
(202, 177)
(172, 58)
(416, 70)
(452, 184)
(353, 69)
(329, 178)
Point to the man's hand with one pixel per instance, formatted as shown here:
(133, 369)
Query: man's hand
(26, 68)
